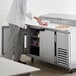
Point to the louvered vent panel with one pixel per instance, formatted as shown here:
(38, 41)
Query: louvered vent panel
(62, 57)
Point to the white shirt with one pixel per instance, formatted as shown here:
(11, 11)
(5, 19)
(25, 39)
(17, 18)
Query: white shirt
(18, 13)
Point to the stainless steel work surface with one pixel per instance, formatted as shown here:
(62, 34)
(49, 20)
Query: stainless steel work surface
(59, 16)
(11, 68)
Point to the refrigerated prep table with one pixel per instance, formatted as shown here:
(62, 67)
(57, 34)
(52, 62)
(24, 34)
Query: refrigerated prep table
(55, 43)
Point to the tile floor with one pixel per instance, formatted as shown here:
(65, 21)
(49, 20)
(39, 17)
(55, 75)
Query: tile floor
(49, 69)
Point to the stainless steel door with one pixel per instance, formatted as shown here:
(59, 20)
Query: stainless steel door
(47, 46)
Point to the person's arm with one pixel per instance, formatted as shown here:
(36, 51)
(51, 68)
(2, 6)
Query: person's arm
(40, 21)
(25, 9)
(27, 13)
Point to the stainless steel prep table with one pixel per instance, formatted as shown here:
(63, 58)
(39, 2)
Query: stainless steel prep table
(13, 68)
(51, 44)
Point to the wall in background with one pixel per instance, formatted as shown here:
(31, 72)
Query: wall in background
(38, 7)
(53, 6)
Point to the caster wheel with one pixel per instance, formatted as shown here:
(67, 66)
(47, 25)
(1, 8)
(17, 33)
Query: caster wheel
(70, 71)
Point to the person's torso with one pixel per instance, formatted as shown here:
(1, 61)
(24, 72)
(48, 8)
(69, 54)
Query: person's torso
(16, 15)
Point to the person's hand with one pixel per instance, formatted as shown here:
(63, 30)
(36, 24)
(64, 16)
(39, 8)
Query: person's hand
(40, 21)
